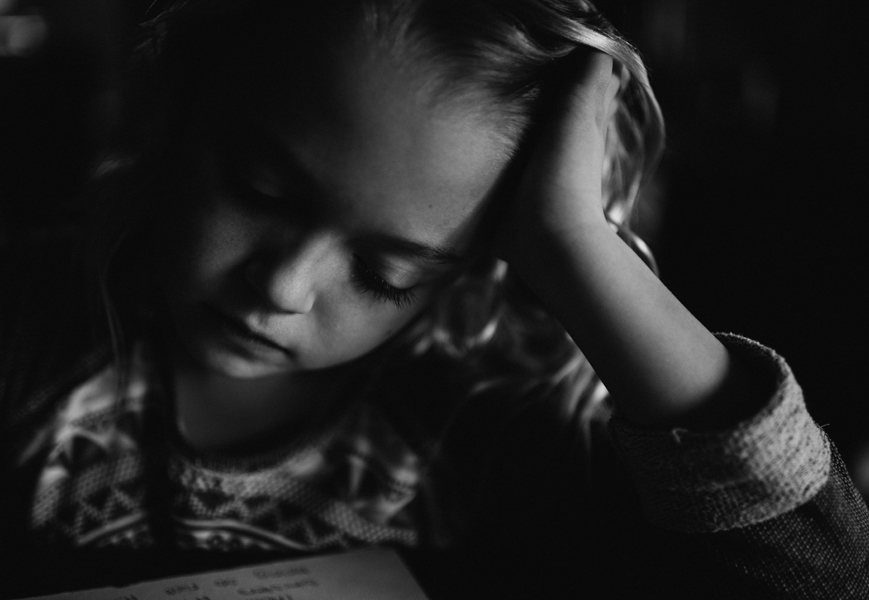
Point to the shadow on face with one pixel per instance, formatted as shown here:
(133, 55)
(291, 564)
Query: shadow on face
(327, 196)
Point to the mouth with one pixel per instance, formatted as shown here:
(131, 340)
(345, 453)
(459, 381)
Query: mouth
(238, 330)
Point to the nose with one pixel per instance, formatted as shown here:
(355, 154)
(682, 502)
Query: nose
(287, 280)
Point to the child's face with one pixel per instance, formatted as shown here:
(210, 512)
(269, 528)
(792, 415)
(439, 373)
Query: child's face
(341, 204)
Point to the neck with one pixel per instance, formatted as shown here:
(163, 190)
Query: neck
(221, 414)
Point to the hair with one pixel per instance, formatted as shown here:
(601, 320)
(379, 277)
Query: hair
(510, 50)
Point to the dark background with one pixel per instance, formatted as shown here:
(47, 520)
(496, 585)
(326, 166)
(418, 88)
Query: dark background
(759, 210)
(757, 213)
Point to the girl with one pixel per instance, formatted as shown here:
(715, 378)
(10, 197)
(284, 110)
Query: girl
(338, 273)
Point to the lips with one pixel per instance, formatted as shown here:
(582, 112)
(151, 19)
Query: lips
(238, 329)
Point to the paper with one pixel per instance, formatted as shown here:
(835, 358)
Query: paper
(372, 573)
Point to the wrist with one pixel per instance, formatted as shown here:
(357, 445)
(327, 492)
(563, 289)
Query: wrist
(544, 245)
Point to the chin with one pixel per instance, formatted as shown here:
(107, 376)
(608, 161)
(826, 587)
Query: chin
(246, 370)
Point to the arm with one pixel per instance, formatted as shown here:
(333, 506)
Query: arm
(662, 367)
(712, 429)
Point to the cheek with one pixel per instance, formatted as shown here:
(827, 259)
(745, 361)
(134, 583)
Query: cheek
(356, 325)
(205, 244)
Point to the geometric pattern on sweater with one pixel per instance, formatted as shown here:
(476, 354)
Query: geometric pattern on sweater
(354, 485)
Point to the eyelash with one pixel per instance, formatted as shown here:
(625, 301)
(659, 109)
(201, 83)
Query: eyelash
(366, 280)
(370, 282)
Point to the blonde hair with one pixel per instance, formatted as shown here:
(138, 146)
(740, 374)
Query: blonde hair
(508, 49)
(512, 50)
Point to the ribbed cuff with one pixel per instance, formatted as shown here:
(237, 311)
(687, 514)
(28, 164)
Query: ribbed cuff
(711, 481)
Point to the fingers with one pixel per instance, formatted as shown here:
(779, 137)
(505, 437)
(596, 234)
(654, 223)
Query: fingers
(584, 99)
(560, 181)
(594, 83)
(613, 87)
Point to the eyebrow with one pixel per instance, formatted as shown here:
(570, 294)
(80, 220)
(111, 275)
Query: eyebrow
(435, 254)
(418, 250)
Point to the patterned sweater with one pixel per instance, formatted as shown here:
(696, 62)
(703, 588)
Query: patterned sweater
(510, 502)
(340, 487)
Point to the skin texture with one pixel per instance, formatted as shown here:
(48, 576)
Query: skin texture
(296, 180)
(323, 177)
(355, 150)
(663, 368)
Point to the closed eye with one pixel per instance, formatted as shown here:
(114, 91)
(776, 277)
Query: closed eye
(369, 282)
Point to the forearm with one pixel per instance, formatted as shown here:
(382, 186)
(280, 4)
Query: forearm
(661, 365)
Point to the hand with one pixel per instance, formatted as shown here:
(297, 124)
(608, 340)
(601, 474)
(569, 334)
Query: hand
(560, 187)
(662, 367)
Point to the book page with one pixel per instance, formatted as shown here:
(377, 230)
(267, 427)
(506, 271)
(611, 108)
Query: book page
(371, 573)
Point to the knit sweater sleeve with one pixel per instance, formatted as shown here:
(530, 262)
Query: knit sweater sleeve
(770, 497)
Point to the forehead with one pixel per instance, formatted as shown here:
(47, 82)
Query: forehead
(369, 131)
